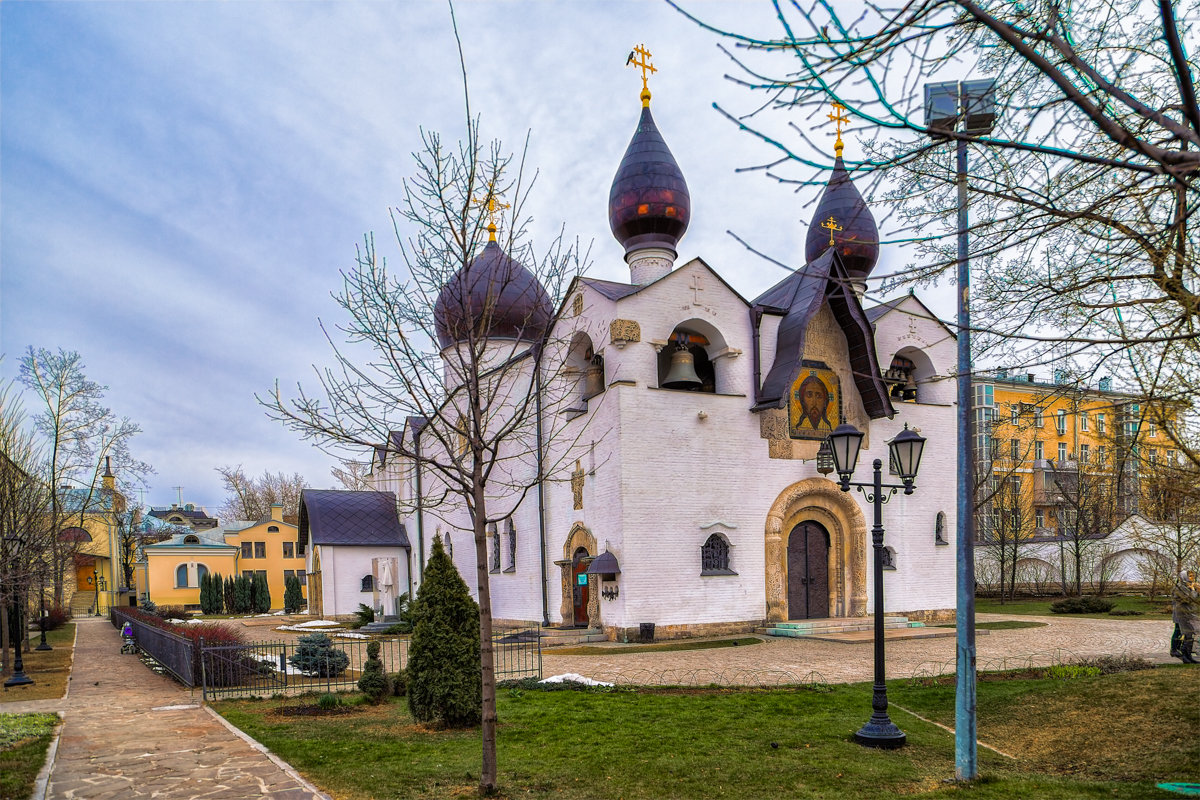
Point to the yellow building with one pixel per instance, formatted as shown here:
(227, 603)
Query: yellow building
(174, 568)
(1049, 451)
(89, 533)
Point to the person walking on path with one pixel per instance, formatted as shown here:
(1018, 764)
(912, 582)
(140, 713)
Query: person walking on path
(1185, 611)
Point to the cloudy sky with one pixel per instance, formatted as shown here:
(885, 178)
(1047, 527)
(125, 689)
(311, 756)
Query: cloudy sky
(181, 182)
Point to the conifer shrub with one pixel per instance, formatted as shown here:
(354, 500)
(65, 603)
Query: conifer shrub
(399, 682)
(364, 616)
(1087, 604)
(216, 587)
(443, 656)
(230, 595)
(262, 593)
(374, 682)
(316, 655)
(242, 597)
(293, 597)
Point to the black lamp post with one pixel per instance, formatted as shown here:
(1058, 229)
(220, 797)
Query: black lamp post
(18, 678)
(42, 606)
(905, 449)
(96, 584)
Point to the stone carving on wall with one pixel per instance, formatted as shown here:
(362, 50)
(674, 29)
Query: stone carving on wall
(577, 478)
(623, 331)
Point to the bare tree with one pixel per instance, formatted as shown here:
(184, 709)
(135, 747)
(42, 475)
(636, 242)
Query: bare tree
(353, 475)
(1170, 492)
(80, 437)
(1081, 197)
(251, 498)
(1093, 498)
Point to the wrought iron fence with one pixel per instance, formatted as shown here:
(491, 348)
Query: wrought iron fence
(517, 653)
(174, 652)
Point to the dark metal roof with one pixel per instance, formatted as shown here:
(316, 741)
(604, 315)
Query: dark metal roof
(335, 517)
(604, 564)
(493, 297)
(858, 240)
(611, 289)
(183, 512)
(797, 298)
(649, 204)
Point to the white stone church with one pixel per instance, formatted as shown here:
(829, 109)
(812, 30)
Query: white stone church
(691, 498)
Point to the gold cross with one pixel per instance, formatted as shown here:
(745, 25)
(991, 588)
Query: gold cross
(831, 225)
(644, 65)
(837, 118)
(493, 205)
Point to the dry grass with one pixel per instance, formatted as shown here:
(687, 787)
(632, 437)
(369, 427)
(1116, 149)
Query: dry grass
(50, 670)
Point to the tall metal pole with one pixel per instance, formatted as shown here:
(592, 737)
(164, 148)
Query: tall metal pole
(966, 766)
(42, 607)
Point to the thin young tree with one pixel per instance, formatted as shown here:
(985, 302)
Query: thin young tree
(461, 340)
(251, 498)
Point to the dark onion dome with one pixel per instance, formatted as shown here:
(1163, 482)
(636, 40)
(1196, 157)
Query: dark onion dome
(648, 205)
(858, 240)
(495, 293)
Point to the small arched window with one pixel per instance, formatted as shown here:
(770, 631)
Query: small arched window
(495, 534)
(181, 576)
(189, 539)
(368, 583)
(75, 534)
(714, 556)
(939, 529)
(684, 364)
(273, 529)
(201, 571)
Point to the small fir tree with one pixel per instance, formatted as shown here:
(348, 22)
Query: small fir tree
(242, 595)
(374, 682)
(216, 590)
(262, 593)
(205, 594)
(293, 598)
(230, 595)
(444, 680)
(316, 655)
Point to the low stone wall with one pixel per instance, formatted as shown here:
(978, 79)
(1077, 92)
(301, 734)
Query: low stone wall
(666, 632)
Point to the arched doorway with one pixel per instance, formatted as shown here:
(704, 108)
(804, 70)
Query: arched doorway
(579, 587)
(808, 571)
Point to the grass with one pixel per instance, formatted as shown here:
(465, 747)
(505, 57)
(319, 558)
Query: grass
(1002, 625)
(609, 650)
(759, 743)
(1158, 608)
(50, 669)
(24, 739)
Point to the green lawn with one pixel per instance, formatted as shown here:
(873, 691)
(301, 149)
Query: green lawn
(1159, 608)
(747, 743)
(24, 739)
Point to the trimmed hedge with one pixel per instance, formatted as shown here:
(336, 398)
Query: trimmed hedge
(1088, 604)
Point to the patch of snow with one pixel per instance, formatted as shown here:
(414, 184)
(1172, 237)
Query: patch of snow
(574, 677)
(279, 613)
(176, 621)
(195, 622)
(351, 636)
(318, 623)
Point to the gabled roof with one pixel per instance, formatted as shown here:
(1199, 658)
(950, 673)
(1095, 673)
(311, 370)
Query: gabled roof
(874, 313)
(610, 289)
(335, 517)
(619, 291)
(798, 298)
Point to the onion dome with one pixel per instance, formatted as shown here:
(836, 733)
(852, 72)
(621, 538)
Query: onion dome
(648, 205)
(842, 217)
(496, 297)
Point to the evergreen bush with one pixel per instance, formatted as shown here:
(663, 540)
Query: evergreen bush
(316, 655)
(364, 616)
(205, 594)
(293, 597)
(399, 681)
(242, 598)
(217, 590)
(443, 657)
(373, 683)
(262, 593)
(230, 595)
(1088, 604)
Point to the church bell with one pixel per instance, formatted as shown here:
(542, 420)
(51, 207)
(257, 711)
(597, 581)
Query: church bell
(682, 374)
(593, 378)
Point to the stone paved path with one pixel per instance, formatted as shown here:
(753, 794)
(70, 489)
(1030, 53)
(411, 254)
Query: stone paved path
(115, 744)
(801, 661)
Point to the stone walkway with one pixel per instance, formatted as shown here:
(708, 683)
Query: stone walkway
(131, 733)
(802, 661)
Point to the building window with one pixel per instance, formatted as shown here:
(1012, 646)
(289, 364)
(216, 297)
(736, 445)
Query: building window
(272, 529)
(495, 534)
(1101, 454)
(1038, 419)
(512, 546)
(181, 576)
(1083, 420)
(1039, 452)
(260, 549)
(201, 571)
(1100, 423)
(1014, 449)
(248, 573)
(191, 540)
(368, 583)
(1085, 453)
(1152, 454)
(289, 549)
(1014, 415)
(1151, 429)
(247, 550)
(302, 576)
(888, 557)
(261, 572)
(1039, 518)
(1062, 452)
(939, 529)
(1060, 422)
(449, 545)
(714, 556)
(288, 573)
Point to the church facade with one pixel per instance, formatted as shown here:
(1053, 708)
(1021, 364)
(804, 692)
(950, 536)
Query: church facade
(684, 488)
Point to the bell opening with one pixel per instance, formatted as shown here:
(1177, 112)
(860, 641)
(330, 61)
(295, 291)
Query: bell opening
(684, 365)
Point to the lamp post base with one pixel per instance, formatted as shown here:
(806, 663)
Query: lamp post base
(883, 734)
(19, 678)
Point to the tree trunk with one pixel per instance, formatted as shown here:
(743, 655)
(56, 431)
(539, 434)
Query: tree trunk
(488, 772)
(4, 643)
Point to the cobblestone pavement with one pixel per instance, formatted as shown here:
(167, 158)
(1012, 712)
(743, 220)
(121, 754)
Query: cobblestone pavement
(801, 661)
(131, 733)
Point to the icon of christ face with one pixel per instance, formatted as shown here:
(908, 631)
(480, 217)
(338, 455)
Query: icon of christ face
(814, 402)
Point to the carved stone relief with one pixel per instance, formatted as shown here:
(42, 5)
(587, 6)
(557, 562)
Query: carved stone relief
(624, 330)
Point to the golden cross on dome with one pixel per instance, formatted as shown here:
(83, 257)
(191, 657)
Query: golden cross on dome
(831, 225)
(640, 58)
(837, 118)
(493, 206)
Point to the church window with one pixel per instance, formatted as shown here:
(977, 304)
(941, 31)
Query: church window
(495, 534)
(447, 545)
(511, 532)
(939, 529)
(888, 557)
(181, 576)
(368, 583)
(684, 365)
(714, 556)
(191, 540)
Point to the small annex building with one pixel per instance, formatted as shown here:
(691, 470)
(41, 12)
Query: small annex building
(358, 552)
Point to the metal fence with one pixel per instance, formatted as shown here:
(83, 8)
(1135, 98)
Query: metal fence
(517, 653)
(172, 651)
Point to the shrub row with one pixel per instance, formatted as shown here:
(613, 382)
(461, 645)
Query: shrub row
(1088, 604)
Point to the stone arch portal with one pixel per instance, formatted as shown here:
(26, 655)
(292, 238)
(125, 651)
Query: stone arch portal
(818, 500)
(578, 538)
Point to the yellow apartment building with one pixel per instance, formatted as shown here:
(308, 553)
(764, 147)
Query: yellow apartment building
(270, 546)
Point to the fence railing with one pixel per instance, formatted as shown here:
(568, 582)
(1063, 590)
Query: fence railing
(517, 653)
(172, 651)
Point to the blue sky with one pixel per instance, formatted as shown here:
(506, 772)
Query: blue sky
(181, 182)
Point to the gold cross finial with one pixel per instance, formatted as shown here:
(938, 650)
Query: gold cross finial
(831, 225)
(837, 118)
(493, 205)
(640, 58)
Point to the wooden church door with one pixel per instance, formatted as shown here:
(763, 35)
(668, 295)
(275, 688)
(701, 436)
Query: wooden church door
(808, 572)
(579, 587)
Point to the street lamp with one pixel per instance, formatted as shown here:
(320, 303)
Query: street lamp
(18, 678)
(845, 442)
(969, 106)
(42, 606)
(96, 584)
